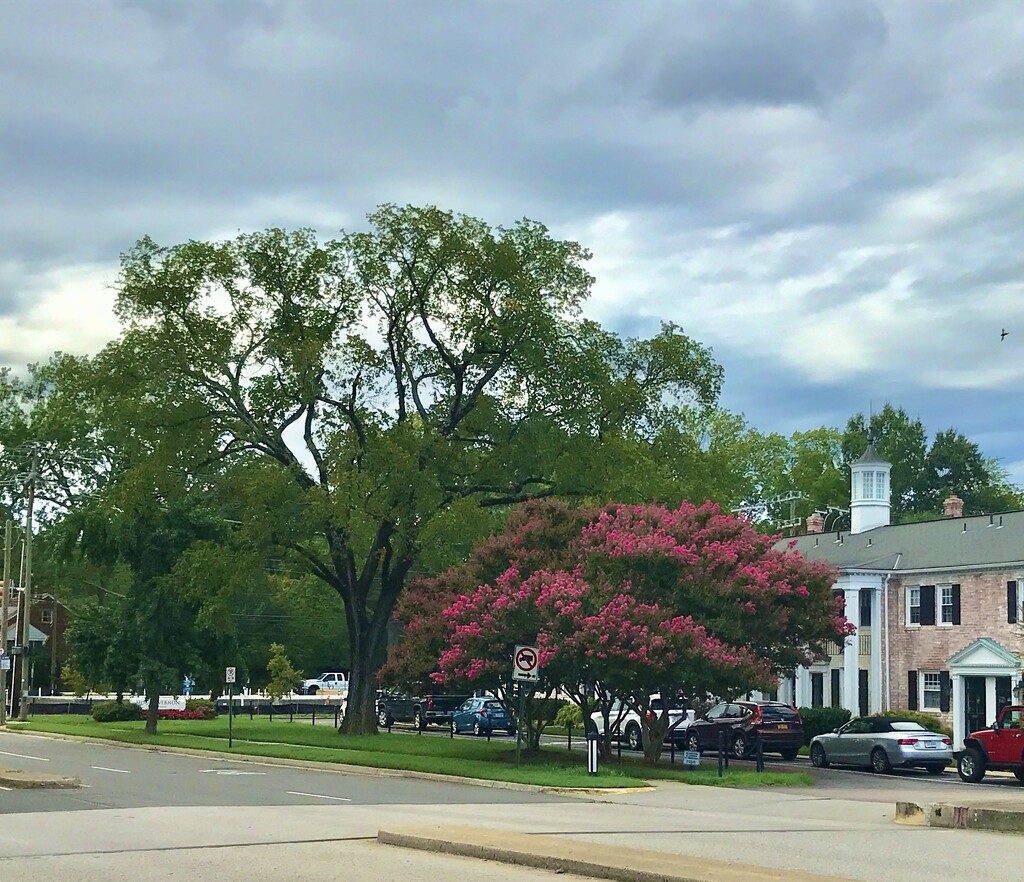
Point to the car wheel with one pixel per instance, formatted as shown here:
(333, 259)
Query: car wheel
(739, 746)
(418, 721)
(693, 742)
(383, 720)
(935, 770)
(477, 728)
(455, 728)
(312, 690)
(511, 731)
(634, 738)
(1019, 775)
(818, 758)
(971, 766)
(880, 761)
(789, 755)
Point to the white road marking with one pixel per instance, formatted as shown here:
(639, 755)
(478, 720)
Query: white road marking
(105, 769)
(41, 759)
(231, 772)
(317, 796)
(6, 788)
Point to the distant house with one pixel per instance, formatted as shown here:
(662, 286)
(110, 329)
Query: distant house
(937, 605)
(49, 618)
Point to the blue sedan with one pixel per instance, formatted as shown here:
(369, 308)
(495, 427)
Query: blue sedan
(482, 716)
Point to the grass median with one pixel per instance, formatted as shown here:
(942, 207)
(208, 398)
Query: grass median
(465, 757)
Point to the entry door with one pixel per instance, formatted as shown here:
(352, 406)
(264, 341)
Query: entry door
(974, 704)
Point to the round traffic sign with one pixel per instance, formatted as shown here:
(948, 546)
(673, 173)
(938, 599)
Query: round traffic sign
(526, 659)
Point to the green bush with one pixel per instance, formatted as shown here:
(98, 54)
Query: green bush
(203, 705)
(821, 720)
(116, 711)
(569, 716)
(929, 721)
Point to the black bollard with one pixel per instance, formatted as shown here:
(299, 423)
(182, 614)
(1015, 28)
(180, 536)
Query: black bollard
(760, 753)
(314, 715)
(291, 712)
(721, 754)
(672, 750)
(568, 731)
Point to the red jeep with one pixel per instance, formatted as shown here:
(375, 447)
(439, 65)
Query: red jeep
(1000, 748)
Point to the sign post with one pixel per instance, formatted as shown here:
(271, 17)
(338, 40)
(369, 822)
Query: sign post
(5, 666)
(525, 669)
(229, 678)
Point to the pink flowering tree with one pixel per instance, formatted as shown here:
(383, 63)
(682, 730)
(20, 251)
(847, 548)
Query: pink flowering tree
(642, 599)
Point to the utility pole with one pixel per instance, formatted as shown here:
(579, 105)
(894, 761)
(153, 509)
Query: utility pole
(25, 684)
(53, 642)
(3, 620)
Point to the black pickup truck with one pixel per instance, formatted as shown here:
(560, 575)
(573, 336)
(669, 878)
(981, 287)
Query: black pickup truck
(436, 707)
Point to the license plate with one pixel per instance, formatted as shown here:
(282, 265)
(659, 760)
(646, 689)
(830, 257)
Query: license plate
(783, 725)
(931, 745)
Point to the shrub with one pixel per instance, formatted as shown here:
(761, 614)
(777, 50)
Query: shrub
(820, 720)
(203, 705)
(929, 721)
(172, 714)
(569, 716)
(116, 712)
(284, 679)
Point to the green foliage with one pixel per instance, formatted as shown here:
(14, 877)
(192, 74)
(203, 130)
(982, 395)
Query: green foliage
(78, 684)
(929, 721)
(569, 716)
(116, 712)
(284, 679)
(822, 720)
(203, 705)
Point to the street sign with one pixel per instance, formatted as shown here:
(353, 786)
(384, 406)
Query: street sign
(5, 662)
(526, 664)
(229, 675)
(691, 757)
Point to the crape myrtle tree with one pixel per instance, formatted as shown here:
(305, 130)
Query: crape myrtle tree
(391, 374)
(647, 599)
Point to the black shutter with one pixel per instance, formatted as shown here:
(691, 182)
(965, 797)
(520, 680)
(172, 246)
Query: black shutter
(956, 604)
(1011, 602)
(927, 604)
(834, 686)
(944, 690)
(911, 690)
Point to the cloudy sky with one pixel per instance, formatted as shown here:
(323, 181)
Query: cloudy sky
(830, 193)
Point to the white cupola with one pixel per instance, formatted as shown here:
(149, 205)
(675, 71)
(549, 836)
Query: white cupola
(869, 492)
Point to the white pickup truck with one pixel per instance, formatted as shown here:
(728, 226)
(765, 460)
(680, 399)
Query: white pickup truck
(331, 682)
(625, 722)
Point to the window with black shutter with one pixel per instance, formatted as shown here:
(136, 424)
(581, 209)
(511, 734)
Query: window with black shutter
(836, 699)
(927, 604)
(911, 690)
(817, 690)
(1011, 602)
(956, 604)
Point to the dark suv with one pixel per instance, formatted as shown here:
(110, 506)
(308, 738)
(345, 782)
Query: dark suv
(741, 722)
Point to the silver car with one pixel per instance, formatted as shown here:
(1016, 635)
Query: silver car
(883, 743)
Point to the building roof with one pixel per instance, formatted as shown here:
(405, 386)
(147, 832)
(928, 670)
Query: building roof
(870, 456)
(977, 542)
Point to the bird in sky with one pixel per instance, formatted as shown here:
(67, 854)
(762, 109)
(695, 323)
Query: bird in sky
(1002, 336)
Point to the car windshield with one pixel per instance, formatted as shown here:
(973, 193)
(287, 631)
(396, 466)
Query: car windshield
(672, 704)
(494, 705)
(900, 726)
(775, 712)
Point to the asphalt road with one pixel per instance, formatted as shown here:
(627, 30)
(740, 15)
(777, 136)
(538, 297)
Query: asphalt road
(119, 777)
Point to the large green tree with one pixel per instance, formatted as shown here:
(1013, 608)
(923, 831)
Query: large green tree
(384, 377)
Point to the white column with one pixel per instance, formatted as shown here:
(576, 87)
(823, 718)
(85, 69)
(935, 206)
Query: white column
(803, 688)
(990, 699)
(875, 675)
(957, 707)
(851, 659)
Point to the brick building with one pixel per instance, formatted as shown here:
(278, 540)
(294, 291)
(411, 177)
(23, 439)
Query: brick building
(48, 621)
(937, 604)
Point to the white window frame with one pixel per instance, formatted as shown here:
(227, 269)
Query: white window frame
(937, 690)
(941, 590)
(911, 606)
(46, 616)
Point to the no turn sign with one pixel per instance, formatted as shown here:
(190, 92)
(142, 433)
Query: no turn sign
(526, 663)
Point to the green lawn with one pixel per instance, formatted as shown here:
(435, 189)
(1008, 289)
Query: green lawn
(464, 756)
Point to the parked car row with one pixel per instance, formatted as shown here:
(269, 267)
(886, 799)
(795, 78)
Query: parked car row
(883, 743)
(420, 710)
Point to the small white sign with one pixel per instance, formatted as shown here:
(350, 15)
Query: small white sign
(229, 675)
(5, 662)
(691, 757)
(526, 663)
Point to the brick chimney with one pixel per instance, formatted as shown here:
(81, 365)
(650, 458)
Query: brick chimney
(816, 523)
(953, 507)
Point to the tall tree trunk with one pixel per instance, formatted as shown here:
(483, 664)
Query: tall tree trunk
(361, 705)
(153, 710)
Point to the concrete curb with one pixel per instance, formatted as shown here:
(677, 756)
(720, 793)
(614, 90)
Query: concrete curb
(341, 768)
(584, 858)
(992, 816)
(18, 780)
